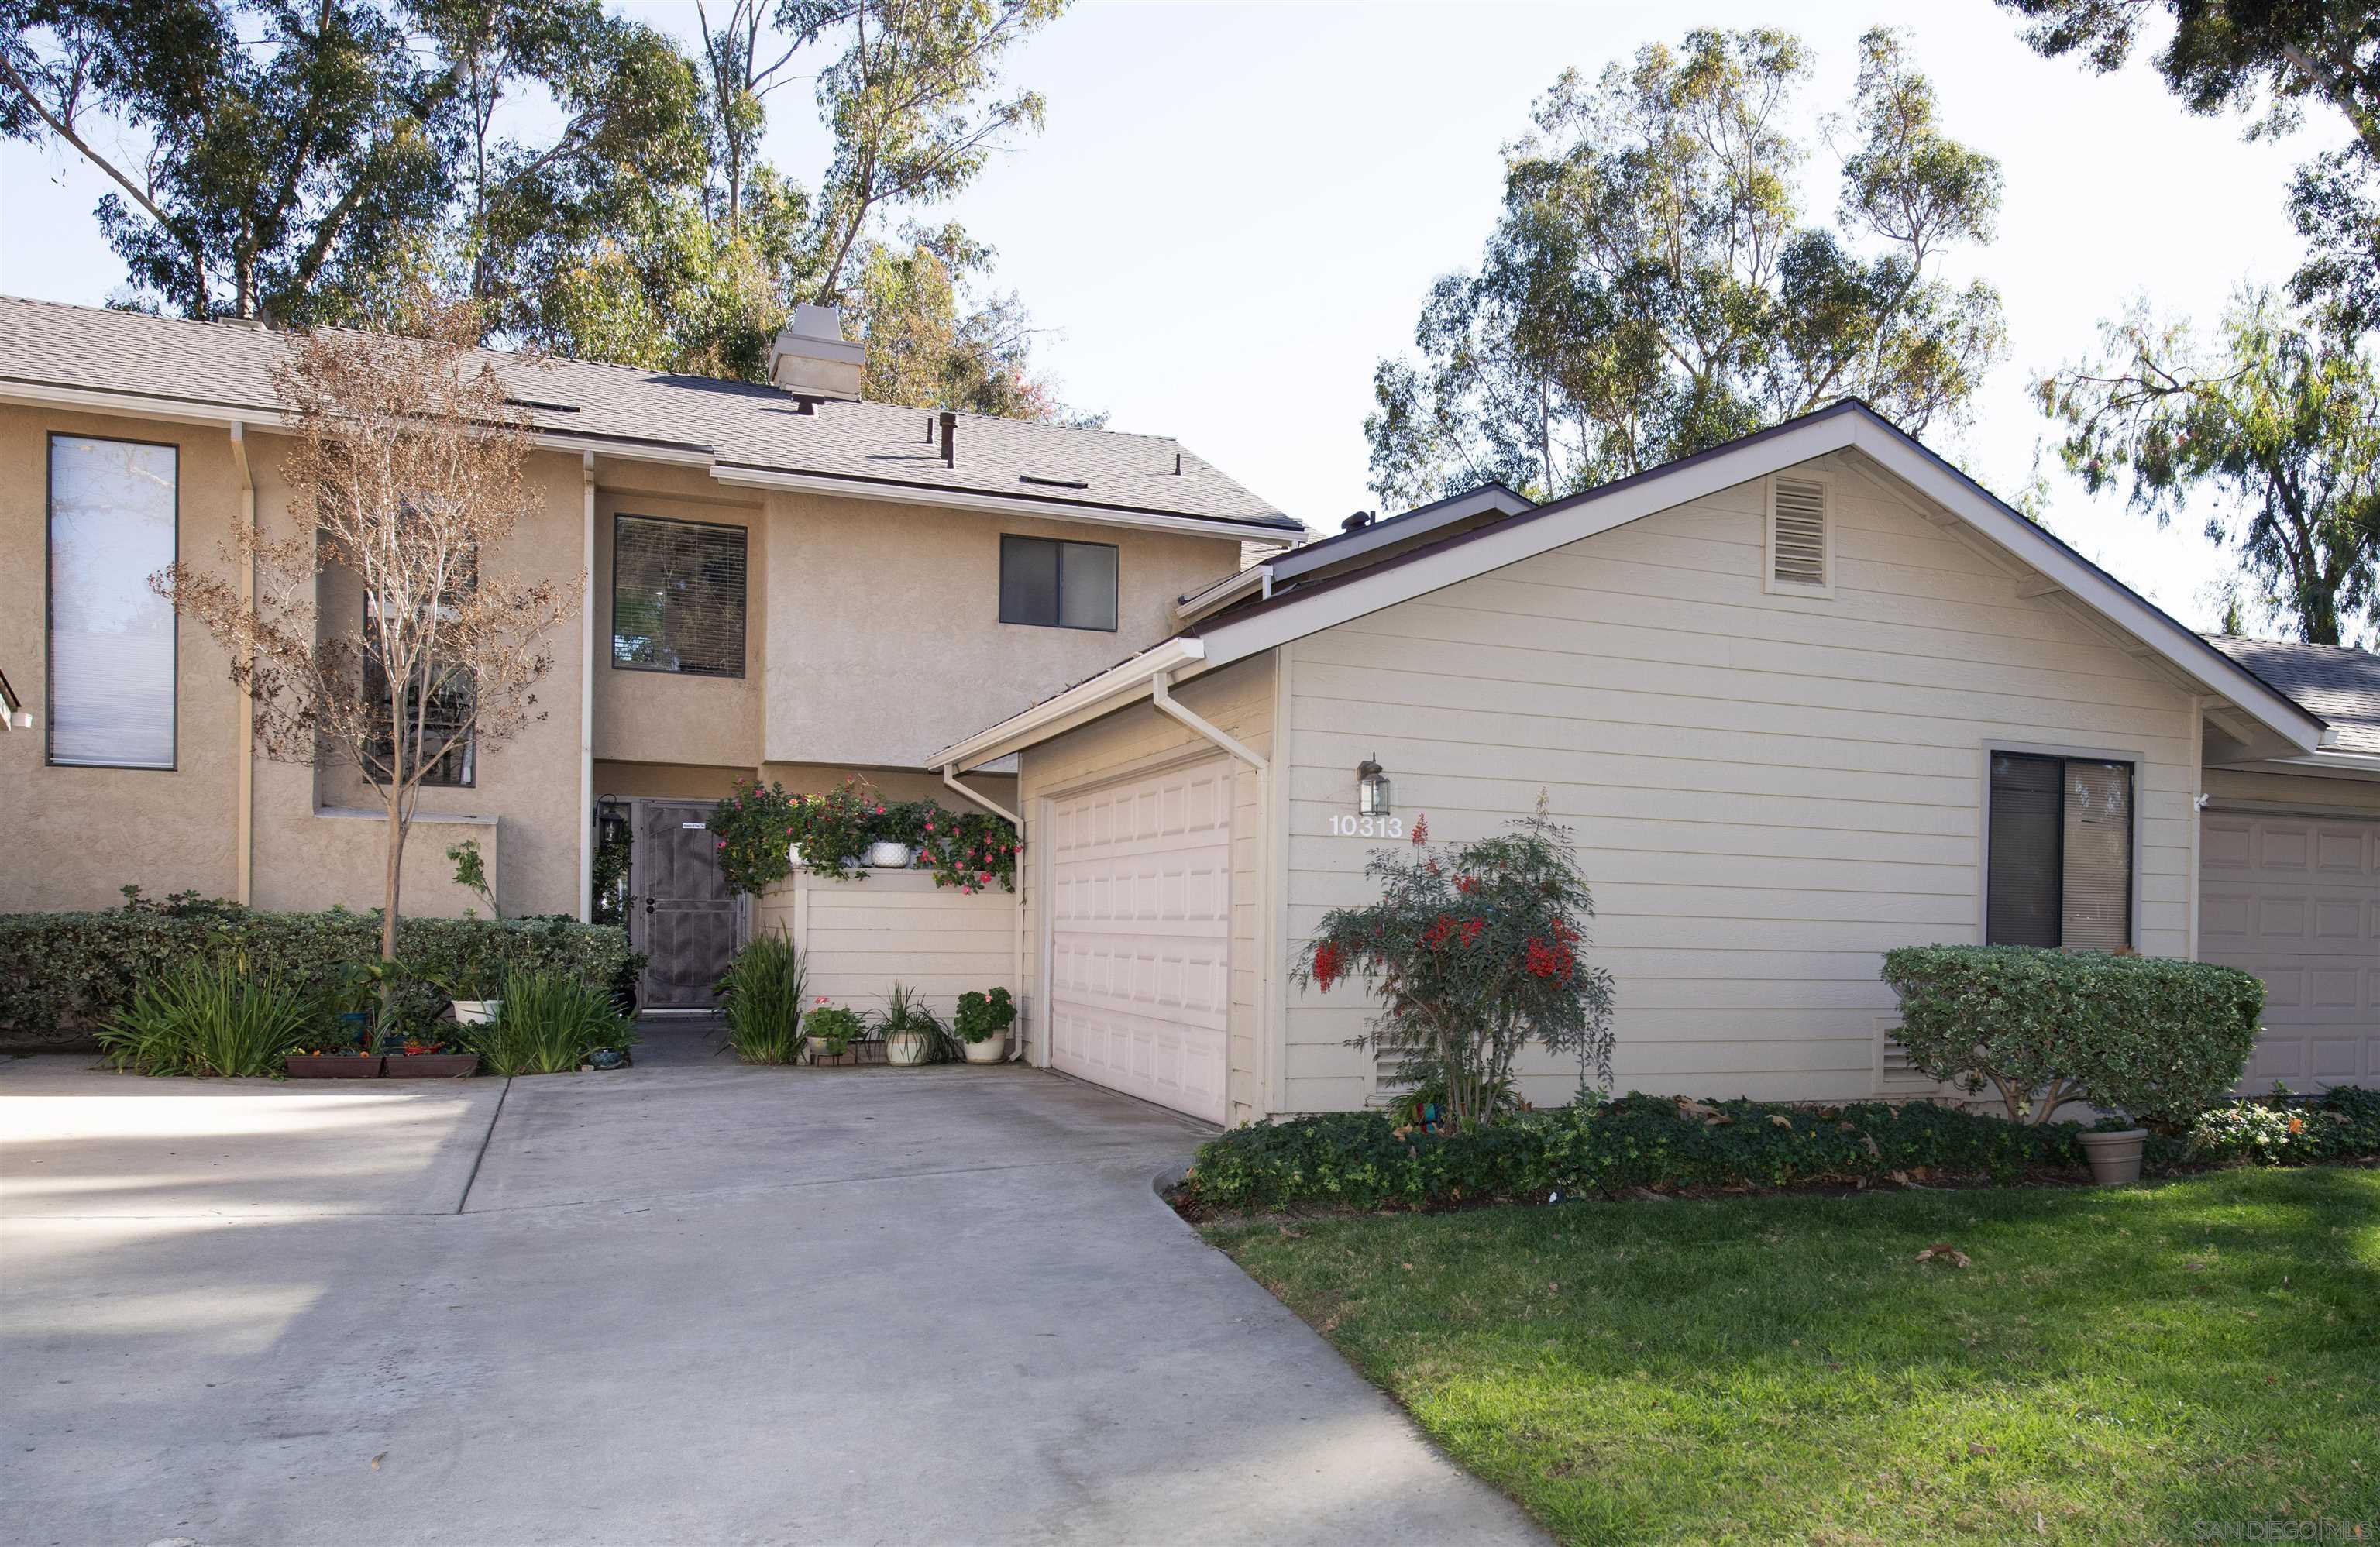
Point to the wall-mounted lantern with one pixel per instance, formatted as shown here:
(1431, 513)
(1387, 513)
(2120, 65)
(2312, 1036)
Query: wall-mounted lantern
(1372, 791)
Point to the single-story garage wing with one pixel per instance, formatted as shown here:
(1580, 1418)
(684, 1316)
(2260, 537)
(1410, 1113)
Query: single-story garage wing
(1803, 697)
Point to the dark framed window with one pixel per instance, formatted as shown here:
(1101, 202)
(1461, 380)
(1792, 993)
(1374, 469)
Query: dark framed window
(2060, 860)
(447, 713)
(115, 519)
(677, 597)
(1049, 584)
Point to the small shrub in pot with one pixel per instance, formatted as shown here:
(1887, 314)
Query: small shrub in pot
(830, 1030)
(982, 1024)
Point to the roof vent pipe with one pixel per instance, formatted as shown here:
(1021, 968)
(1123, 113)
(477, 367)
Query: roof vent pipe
(950, 438)
(1357, 522)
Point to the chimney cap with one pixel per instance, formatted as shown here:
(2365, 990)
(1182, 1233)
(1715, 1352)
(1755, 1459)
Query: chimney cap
(1357, 522)
(811, 358)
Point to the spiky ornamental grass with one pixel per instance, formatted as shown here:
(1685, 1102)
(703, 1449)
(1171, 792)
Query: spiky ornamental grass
(1473, 952)
(763, 995)
(550, 1024)
(209, 1017)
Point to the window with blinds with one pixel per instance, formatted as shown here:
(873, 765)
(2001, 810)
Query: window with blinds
(1800, 555)
(677, 596)
(2060, 865)
(113, 522)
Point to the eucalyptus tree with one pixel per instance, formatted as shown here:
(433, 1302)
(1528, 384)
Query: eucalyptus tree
(1654, 284)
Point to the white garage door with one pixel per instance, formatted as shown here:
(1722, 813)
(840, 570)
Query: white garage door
(1139, 920)
(2296, 901)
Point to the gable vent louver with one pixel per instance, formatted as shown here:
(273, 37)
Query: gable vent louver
(1798, 532)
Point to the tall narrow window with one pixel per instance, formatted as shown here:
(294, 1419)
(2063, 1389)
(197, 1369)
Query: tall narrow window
(113, 524)
(677, 597)
(1058, 584)
(2060, 871)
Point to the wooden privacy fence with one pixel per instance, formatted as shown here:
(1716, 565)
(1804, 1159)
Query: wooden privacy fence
(859, 938)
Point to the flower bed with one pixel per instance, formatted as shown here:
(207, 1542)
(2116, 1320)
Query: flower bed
(1370, 1160)
(756, 826)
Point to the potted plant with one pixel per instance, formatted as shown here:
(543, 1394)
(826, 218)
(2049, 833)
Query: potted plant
(829, 1032)
(913, 1035)
(430, 1059)
(830, 833)
(2113, 1146)
(982, 1024)
(474, 986)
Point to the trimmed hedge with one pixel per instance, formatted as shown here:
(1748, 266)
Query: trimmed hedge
(2160, 1039)
(1368, 1160)
(64, 976)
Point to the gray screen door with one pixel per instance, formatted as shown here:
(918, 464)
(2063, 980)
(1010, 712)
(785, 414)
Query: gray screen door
(687, 914)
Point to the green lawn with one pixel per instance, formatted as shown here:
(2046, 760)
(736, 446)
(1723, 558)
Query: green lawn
(2116, 1365)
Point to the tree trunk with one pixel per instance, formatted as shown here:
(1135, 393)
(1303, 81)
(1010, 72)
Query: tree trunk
(391, 883)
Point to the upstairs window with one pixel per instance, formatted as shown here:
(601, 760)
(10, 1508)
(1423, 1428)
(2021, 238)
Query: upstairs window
(2060, 860)
(428, 729)
(113, 524)
(677, 597)
(1801, 539)
(1051, 584)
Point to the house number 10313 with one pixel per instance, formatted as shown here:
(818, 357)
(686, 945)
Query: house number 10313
(1368, 826)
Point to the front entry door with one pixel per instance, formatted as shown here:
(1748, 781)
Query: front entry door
(686, 915)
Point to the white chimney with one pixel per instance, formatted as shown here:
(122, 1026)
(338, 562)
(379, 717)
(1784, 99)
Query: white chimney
(811, 359)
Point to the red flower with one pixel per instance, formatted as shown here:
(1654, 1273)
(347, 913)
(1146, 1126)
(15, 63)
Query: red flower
(1421, 829)
(1556, 961)
(1470, 929)
(1466, 885)
(1328, 965)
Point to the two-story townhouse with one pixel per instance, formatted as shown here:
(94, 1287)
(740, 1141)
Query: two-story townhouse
(781, 582)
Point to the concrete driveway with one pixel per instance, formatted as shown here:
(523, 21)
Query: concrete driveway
(690, 1302)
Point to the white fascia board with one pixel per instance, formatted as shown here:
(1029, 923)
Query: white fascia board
(1092, 696)
(1495, 547)
(2330, 764)
(1229, 588)
(739, 475)
(2022, 540)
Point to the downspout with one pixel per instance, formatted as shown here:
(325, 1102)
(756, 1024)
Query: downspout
(244, 814)
(587, 698)
(950, 776)
(1160, 695)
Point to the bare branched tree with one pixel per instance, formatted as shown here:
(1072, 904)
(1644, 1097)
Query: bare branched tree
(408, 470)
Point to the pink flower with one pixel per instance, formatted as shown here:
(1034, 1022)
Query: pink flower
(879, 810)
(929, 827)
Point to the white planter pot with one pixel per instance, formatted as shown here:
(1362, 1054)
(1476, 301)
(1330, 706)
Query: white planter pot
(991, 1050)
(888, 856)
(476, 1013)
(794, 855)
(905, 1047)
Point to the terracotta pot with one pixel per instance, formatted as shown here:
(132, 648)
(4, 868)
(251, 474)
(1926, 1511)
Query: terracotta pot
(429, 1065)
(906, 1049)
(332, 1066)
(991, 1050)
(477, 1012)
(2115, 1157)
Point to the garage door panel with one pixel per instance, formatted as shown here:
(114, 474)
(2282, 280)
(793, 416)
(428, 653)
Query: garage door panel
(2296, 901)
(1140, 936)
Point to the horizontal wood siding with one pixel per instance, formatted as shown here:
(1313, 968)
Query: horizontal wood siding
(862, 937)
(1238, 699)
(1769, 791)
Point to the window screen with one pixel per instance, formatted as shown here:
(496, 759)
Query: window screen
(112, 523)
(1057, 584)
(677, 597)
(2060, 866)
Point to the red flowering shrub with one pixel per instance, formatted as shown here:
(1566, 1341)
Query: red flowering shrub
(1473, 952)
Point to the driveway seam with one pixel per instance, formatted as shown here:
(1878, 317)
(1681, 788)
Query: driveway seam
(481, 1158)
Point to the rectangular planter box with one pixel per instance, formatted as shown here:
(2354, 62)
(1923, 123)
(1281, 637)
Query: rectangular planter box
(430, 1066)
(332, 1066)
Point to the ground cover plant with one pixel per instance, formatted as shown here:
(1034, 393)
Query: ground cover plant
(1994, 1364)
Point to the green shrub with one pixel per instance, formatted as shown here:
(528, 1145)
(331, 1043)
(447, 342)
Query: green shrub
(551, 1023)
(2160, 1039)
(2345, 1123)
(1368, 1160)
(762, 996)
(64, 976)
(756, 825)
(209, 1017)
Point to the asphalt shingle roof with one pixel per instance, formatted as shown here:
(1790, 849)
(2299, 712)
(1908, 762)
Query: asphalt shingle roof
(2339, 683)
(44, 344)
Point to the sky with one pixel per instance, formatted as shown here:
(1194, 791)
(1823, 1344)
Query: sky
(1235, 211)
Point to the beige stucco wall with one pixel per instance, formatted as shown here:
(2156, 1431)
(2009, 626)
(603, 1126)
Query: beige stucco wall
(75, 835)
(1769, 792)
(885, 643)
(1238, 699)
